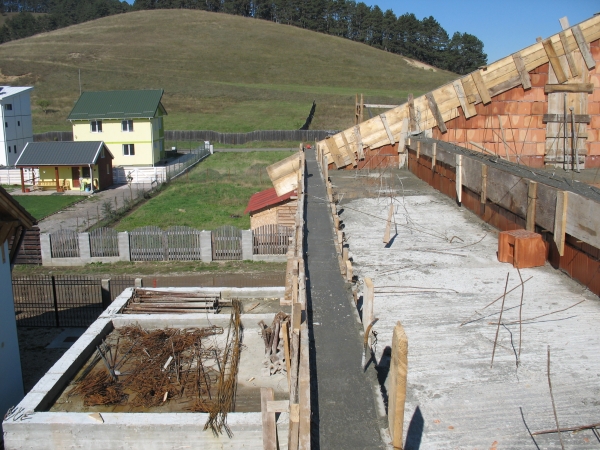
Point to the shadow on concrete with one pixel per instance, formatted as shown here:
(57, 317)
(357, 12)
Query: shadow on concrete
(383, 369)
(415, 431)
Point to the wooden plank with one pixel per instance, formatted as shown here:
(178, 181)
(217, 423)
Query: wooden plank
(349, 275)
(278, 406)
(564, 22)
(412, 117)
(388, 225)
(587, 88)
(433, 106)
(507, 190)
(433, 155)
(368, 300)
(286, 349)
(468, 108)
(481, 87)
(459, 178)
(334, 152)
(560, 118)
(582, 220)
(359, 143)
(583, 47)
(484, 174)
(554, 61)
(296, 317)
(565, 43)
(531, 205)
(397, 385)
(269, 427)
(523, 74)
(560, 221)
(374, 105)
(349, 151)
(387, 128)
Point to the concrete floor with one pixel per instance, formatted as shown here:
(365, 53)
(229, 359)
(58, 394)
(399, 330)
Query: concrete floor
(432, 281)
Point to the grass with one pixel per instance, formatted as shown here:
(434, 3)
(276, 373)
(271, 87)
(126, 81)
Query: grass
(236, 75)
(40, 206)
(287, 145)
(153, 268)
(214, 193)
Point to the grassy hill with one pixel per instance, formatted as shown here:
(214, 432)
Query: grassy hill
(220, 72)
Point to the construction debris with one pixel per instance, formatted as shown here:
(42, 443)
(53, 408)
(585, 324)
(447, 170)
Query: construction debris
(145, 301)
(273, 336)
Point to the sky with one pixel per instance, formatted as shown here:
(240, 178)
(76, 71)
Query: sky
(504, 26)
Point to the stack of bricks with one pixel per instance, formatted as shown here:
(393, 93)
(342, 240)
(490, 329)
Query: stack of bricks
(521, 116)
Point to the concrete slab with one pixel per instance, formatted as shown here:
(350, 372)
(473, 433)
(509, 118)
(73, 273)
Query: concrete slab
(440, 269)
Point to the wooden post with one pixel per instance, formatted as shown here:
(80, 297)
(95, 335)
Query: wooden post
(412, 117)
(433, 156)
(22, 180)
(269, 427)
(560, 221)
(484, 172)
(397, 385)
(459, 178)
(368, 299)
(531, 204)
(344, 254)
(348, 271)
(554, 61)
(362, 108)
(57, 180)
(388, 226)
(484, 93)
(286, 349)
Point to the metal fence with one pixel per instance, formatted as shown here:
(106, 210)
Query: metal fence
(227, 243)
(271, 239)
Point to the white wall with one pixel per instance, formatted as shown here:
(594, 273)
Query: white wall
(16, 128)
(11, 381)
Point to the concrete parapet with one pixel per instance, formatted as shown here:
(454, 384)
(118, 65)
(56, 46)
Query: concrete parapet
(124, 254)
(85, 253)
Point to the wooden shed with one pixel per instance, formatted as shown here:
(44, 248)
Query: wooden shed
(267, 208)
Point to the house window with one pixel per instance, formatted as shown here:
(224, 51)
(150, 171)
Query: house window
(15, 149)
(96, 126)
(18, 123)
(5, 124)
(85, 172)
(127, 125)
(128, 149)
(8, 107)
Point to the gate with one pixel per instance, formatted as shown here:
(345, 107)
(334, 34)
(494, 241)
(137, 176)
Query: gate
(64, 244)
(271, 239)
(227, 243)
(104, 242)
(146, 244)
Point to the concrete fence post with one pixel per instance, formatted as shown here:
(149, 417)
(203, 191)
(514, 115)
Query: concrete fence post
(137, 283)
(46, 249)
(124, 254)
(85, 253)
(206, 246)
(105, 288)
(397, 385)
(247, 247)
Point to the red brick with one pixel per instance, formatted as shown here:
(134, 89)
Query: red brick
(595, 53)
(595, 122)
(595, 80)
(511, 108)
(529, 148)
(541, 149)
(537, 135)
(537, 108)
(591, 162)
(594, 108)
(539, 79)
(595, 43)
(593, 135)
(460, 135)
(498, 108)
(595, 96)
(594, 148)
(475, 135)
(524, 108)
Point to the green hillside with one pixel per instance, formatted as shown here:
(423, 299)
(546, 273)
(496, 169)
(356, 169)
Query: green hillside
(220, 72)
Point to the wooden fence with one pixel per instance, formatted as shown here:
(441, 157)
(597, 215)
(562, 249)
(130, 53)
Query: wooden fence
(30, 251)
(227, 243)
(64, 244)
(104, 242)
(183, 244)
(271, 239)
(146, 244)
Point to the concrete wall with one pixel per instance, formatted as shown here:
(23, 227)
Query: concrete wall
(11, 382)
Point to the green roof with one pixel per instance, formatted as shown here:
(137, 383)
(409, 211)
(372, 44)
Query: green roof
(118, 105)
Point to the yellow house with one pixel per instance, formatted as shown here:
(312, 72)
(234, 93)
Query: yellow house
(129, 122)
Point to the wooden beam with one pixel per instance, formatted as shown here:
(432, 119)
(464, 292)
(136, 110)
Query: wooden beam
(590, 62)
(587, 88)
(349, 151)
(560, 118)
(468, 108)
(433, 106)
(368, 299)
(484, 93)
(564, 22)
(296, 317)
(278, 406)
(269, 427)
(359, 143)
(570, 59)
(19, 231)
(335, 152)
(349, 271)
(403, 136)
(523, 74)
(484, 173)
(418, 150)
(387, 129)
(560, 221)
(411, 113)
(554, 61)
(531, 205)
(459, 178)
(433, 156)
(388, 226)
(373, 105)
(397, 385)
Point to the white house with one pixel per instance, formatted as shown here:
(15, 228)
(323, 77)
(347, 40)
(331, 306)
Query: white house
(15, 117)
(13, 221)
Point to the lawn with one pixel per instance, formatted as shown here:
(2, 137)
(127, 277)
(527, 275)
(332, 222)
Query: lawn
(236, 74)
(40, 206)
(215, 193)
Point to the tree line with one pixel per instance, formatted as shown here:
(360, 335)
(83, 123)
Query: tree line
(424, 40)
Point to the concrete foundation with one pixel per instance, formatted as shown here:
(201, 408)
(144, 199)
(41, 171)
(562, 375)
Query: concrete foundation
(38, 422)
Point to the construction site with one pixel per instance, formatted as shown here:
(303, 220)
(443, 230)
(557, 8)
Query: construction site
(441, 291)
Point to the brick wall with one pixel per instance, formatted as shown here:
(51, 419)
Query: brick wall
(521, 113)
